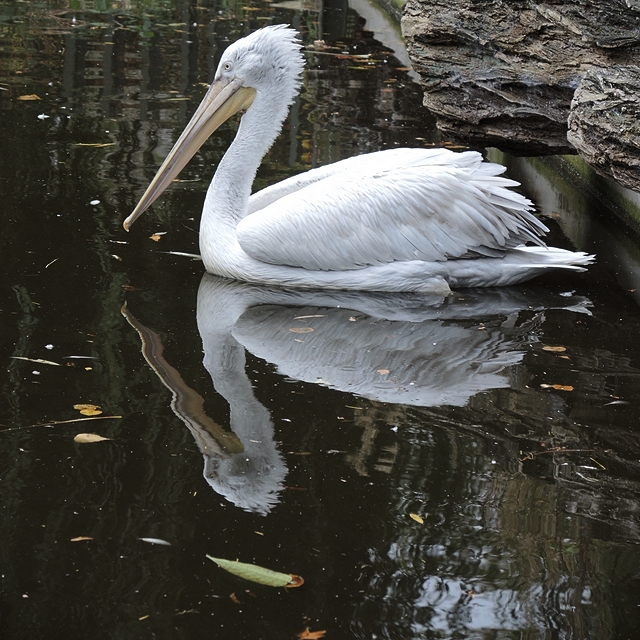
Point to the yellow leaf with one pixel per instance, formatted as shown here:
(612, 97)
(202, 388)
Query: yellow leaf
(87, 438)
(31, 96)
(558, 387)
(554, 349)
(88, 409)
(307, 634)
(416, 517)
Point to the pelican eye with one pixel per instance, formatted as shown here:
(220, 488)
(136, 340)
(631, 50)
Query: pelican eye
(227, 66)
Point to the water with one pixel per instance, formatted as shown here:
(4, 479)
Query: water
(433, 469)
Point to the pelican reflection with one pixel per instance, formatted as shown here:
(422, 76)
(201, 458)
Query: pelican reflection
(392, 348)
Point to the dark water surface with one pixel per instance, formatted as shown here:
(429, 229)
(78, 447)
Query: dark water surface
(466, 468)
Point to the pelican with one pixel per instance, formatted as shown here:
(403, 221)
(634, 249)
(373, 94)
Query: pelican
(421, 220)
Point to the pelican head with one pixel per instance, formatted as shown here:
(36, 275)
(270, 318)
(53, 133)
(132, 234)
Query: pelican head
(268, 62)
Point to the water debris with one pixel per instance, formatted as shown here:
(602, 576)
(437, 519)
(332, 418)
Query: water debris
(193, 256)
(157, 236)
(97, 145)
(317, 315)
(53, 423)
(37, 360)
(307, 634)
(29, 97)
(88, 409)
(382, 372)
(417, 518)
(557, 387)
(258, 574)
(554, 349)
(89, 438)
(81, 539)
(301, 329)
(50, 263)
(156, 541)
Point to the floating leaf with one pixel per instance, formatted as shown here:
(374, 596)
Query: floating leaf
(301, 329)
(554, 349)
(156, 541)
(87, 438)
(37, 360)
(88, 409)
(258, 574)
(307, 634)
(97, 145)
(81, 539)
(30, 96)
(416, 517)
(557, 387)
(382, 372)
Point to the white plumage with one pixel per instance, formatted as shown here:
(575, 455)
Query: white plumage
(396, 220)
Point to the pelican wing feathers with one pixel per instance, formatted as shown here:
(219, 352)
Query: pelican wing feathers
(396, 205)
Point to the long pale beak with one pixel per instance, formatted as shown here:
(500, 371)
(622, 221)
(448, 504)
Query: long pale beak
(224, 98)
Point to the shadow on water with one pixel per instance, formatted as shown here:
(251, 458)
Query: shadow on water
(458, 468)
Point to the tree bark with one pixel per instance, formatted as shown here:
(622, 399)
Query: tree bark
(604, 123)
(503, 72)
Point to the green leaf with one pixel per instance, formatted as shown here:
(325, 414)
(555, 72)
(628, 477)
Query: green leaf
(254, 573)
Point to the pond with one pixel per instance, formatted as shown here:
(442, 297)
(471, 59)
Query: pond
(459, 468)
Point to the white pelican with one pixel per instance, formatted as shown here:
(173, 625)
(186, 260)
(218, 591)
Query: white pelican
(396, 220)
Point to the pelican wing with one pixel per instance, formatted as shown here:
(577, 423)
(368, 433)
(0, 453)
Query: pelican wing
(397, 205)
(376, 161)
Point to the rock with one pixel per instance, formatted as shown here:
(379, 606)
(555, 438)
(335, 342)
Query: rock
(604, 123)
(503, 72)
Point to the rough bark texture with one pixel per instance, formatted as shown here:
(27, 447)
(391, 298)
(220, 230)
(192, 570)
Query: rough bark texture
(503, 72)
(604, 123)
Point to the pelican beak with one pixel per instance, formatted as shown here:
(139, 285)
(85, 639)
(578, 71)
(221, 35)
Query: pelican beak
(224, 98)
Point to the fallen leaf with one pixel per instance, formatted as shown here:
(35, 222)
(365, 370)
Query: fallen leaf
(258, 574)
(87, 438)
(416, 517)
(97, 145)
(311, 635)
(301, 329)
(129, 287)
(30, 96)
(81, 539)
(557, 387)
(234, 598)
(156, 541)
(157, 235)
(554, 349)
(88, 409)
(144, 617)
(382, 372)
(37, 360)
